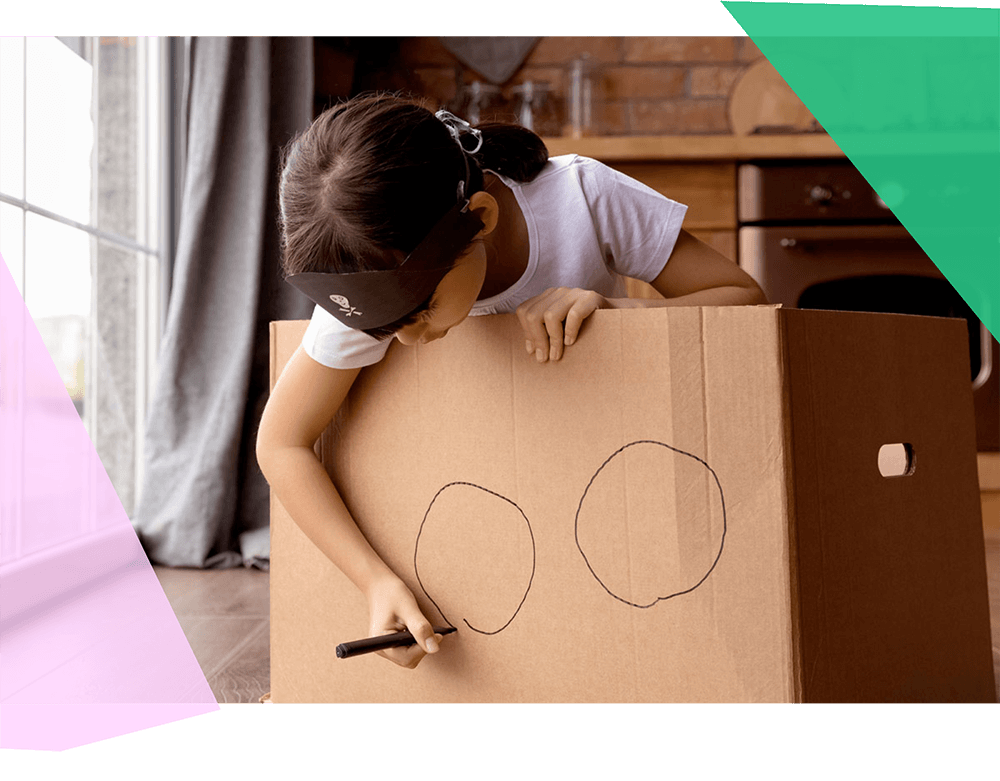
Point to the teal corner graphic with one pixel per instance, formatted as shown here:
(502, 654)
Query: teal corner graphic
(911, 95)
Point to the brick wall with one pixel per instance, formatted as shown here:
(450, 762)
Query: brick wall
(645, 86)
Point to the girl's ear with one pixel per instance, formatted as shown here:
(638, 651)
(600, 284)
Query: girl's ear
(487, 209)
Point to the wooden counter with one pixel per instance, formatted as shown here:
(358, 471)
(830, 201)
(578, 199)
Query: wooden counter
(689, 148)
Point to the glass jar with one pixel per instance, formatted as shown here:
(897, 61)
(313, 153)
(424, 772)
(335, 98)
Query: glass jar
(580, 98)
(479, 102)
(537, 108)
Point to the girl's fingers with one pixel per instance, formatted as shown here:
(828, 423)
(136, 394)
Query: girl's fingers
(408, 657)
(582, 308)
(531, 314)
(574, 319)
(422, 632)
(553, 319)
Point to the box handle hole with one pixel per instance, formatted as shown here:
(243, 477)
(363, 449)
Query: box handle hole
(895, 460)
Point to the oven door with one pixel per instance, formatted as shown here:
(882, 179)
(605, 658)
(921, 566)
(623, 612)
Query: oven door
(871, 268)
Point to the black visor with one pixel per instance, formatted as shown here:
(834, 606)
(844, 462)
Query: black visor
(371, 299)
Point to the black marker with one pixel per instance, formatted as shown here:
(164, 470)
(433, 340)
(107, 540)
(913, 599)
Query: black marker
(395, 640)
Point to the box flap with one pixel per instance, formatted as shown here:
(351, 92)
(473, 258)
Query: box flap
(891, 570)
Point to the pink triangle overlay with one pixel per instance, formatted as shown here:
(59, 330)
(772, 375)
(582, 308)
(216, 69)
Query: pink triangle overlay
(89, 645)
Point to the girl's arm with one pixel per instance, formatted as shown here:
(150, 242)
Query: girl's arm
(695, 275)
(301, 406)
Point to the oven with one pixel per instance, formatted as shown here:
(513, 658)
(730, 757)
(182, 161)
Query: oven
(815, 235)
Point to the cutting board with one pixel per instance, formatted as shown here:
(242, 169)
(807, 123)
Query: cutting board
(761, 98)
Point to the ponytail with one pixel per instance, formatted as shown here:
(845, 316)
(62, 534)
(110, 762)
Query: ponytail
(511, 150)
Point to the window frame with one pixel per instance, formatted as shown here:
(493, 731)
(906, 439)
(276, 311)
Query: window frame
(161, 70)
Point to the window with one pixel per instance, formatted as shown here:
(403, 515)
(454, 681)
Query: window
(80, 201)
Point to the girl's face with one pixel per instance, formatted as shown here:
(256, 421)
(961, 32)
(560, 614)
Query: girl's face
(452, 300)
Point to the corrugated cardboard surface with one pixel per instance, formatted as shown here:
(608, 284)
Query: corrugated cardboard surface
(618, 526)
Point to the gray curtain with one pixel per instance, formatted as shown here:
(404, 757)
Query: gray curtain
(204, 502)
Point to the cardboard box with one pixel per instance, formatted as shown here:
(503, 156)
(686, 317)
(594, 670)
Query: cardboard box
(687, 508)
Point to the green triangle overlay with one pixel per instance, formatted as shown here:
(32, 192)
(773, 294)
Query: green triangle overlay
(912, 97)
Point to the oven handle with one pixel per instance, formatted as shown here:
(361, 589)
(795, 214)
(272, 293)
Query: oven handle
(986, 368)
(828, 234)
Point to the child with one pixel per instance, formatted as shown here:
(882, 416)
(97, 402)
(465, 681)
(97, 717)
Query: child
(400, 223)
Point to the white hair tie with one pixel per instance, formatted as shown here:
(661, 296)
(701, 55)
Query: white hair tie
(458, 128)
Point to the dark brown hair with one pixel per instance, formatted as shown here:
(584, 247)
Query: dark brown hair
(369, 178)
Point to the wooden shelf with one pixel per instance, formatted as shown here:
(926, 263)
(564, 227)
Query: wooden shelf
(718, 147)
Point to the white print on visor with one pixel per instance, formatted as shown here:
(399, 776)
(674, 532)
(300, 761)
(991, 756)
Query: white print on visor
(345, 306)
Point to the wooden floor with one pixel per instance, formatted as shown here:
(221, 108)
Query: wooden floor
(224, 614)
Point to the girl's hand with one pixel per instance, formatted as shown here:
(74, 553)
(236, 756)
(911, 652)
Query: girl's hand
(552, 320)
(392, 608)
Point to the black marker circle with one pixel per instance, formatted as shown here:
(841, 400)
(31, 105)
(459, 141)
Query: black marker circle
(576, 523)
(416, 551)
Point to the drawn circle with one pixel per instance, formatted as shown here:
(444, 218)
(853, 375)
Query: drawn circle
(712, 554)
(484, 517)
